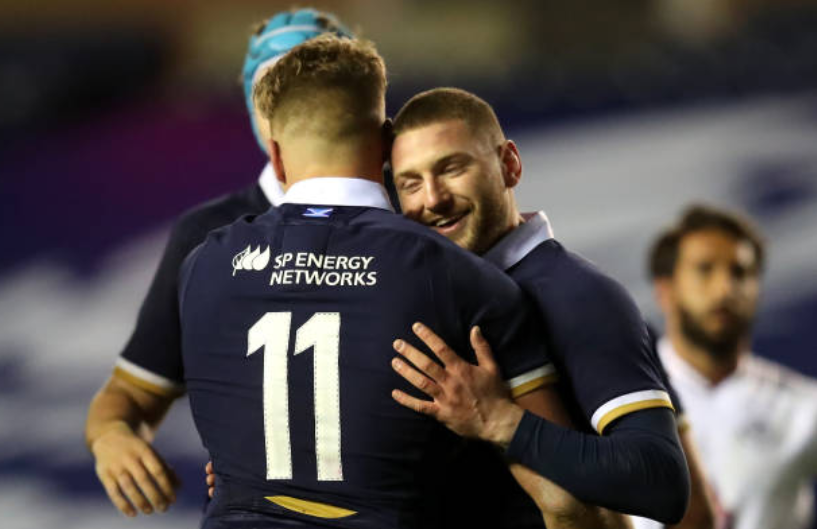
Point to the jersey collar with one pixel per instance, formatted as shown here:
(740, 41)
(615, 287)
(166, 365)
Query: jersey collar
(270, 185)
(514, 246)
(677, 367)
(338, 191)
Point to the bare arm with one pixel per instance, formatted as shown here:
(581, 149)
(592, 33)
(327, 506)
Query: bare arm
(473, 401)
(560, 509)
(701, 511)
(122, 420)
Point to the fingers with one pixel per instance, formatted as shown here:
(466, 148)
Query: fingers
(160, 474)
(415, 378)
(422, 361)
(132, 493)
(115, 495)
(421, 406)
(482, 349)
(435, 343)
(210, 479)
(149, 487)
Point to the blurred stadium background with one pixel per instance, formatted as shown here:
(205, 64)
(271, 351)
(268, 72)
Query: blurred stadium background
(116, 116)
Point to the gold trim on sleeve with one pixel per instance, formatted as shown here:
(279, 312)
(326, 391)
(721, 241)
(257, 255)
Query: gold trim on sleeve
(120, 373)
(534, 384)
(612, 415)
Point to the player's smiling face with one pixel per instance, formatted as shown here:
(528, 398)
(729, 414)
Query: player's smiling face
(452, 181)
(716, 286)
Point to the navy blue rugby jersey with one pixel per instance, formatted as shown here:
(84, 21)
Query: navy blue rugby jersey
(595, 334)
(151, 358)
(288, 320)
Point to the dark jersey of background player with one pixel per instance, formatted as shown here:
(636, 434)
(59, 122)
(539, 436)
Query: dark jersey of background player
(287, 325)
(151, 358)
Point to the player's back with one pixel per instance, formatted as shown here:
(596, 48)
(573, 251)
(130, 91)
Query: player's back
(288, 321)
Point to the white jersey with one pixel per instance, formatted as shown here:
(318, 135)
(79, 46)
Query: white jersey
(756, 432)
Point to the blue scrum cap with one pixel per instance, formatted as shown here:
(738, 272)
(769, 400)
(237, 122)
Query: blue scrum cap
(281, 33)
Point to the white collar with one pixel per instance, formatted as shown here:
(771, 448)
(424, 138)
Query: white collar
(514, 246)
(677, 367)
(270, 185)
(338, 191)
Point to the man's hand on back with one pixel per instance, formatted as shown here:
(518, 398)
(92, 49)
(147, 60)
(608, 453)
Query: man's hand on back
(210, 479)
(471, 400)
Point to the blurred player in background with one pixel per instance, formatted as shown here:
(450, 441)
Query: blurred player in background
(754, 421)
(127, 410)
(312, 439)
(455, 172)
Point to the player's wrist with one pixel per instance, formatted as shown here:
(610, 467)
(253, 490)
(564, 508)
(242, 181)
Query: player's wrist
(502, 424)
(109, 428)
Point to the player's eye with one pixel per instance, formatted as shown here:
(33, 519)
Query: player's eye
(739, 272)
(453, 169)
(705, 268)
(409, 186)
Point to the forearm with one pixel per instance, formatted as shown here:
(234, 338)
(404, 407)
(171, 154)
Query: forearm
(560, 509)
(117, 406)
(638, 468)
(588, 517)
(701, 511)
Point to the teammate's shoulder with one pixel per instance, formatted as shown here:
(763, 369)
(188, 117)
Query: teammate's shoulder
(247, 227)
(222, 210)
(570, 272)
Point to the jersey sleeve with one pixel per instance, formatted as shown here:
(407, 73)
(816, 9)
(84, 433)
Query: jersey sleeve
(152, 357)
(490, 299)
(603, 347)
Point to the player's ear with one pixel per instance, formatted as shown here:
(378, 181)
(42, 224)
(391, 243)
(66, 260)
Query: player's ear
(664, 296)
(277, 160)
(388, 138)
(510, 163)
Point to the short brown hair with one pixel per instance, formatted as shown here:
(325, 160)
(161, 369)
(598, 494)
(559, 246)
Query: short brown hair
(444, 104)
(663, 255)
(329, 83)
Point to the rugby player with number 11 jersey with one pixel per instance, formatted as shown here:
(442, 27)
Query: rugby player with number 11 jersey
(288, 319)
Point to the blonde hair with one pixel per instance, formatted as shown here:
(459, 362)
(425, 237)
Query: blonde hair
(328, 85)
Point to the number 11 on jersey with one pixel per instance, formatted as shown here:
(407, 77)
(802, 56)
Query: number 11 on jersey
(322, 333)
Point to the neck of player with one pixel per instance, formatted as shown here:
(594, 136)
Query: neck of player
(302, 159)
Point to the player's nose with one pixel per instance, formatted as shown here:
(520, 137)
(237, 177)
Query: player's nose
(436, 196)
(725, 286)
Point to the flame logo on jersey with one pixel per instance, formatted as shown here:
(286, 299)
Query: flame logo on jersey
(249, 259)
